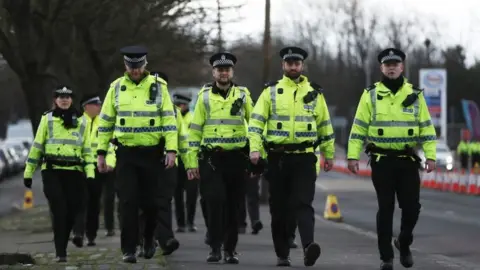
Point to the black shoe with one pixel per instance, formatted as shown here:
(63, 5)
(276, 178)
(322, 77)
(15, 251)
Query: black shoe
(91, 242)
(181, 229)
(406, 258)
(312, 252)
(214, 256)
(292, 243)
(170, 246)
(110, 233)
(192, 228)
(242, 230)
(387, 265)
(257, 226)
(77, 241)
(230, 257)
(141, 253)
(129, 258)
(61, 259)
(149, 251)
(284, 261)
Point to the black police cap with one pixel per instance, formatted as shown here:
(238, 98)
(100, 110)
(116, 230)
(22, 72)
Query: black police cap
(180, 98)
(293, 53)
(160, 74)
(391, 55)
(91, 99)
(62, 90)
(223, 59)
(134, 56)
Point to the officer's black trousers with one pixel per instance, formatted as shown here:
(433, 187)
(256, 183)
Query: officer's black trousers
(395, 176)
(109, 201)
(291, 179)
(252, 201)
(138, 176)
(475, 159)
(164, 230)
(65, 192)
(464, 158)
(222, 186)
(190, 188)
(203, 206)
(87, 221)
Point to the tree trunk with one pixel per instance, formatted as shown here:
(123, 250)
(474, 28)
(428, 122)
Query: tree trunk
(38, 95)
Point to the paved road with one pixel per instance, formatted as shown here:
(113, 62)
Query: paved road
(449, 224)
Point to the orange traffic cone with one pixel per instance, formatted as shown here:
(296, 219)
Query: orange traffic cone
(456, 181)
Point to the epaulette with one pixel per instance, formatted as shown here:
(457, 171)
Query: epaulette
(371, 87)
(46, 112)
(416, 88)
(269, 84)
(317, 87)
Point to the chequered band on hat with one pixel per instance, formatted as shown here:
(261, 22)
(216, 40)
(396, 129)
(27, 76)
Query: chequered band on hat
(94, 100)
(134, 60)
(223, 62)
(63, 91)
(293, 55)
(391, 57)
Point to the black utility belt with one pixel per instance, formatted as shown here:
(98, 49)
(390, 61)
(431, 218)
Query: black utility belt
(63, 163)
(271, 147)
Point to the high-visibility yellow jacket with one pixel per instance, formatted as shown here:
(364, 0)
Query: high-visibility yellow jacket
(381, 119)
(111, 158)
(129, 115)
(53, 141)
(280, 110)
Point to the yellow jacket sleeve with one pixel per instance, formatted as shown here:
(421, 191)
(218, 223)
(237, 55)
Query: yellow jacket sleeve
(248, 106)
(428, 136)
(36, 151)
(87, 153)
(111, 158)
(168, 122)
(195, 131)
(359, 131)
(106, 121)
(182, 137)
(324, 128)
(258, 119)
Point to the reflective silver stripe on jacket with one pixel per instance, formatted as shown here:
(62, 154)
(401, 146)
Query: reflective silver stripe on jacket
(52, 140)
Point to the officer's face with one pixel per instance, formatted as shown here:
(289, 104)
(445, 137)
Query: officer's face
(293, 68)
(63, 102)
(135, 73)
(223, 75)
(392, 70)
(93, 109)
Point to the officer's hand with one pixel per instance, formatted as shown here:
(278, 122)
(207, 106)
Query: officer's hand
(353, 166)
(27, 182)
(101, 164)
(328, 165)
(430, 165)
(109, 169)
(254, 157)
(193, 174)
(170, 160)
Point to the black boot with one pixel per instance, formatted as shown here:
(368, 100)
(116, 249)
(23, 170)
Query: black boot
(257, 226)
(77, 240)
(214, 256)
(192, 228)
(406, 258)
(149, 249)
(386, 265)
(311, 254)
(284, 261)
(129, 258)
(230, 257)
(170, 246)
(91, 242)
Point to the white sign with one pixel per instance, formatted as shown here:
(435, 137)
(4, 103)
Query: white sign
(433, 81)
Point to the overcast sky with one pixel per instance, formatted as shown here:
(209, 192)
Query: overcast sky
(458, 20)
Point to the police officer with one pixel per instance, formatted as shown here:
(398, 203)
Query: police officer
(183, 185)
(464, 152)
(138, 112)
(290, 145)
(87, 221)
(218, 155)
(62, 146)
(393, 117)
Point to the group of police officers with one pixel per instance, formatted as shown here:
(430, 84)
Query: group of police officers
(141, 135)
